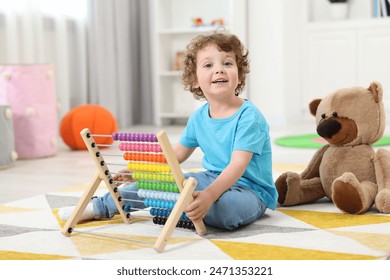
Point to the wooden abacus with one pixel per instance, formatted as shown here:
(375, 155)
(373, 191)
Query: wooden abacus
(140, 148)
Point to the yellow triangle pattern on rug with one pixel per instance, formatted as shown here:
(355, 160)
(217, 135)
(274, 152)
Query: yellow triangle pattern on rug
(110, 243)
(92, 244)
(375, 241)
(82, 188)
(6, 209)
(327, 220)
(252, 251)
(13, 255)
(117, 219)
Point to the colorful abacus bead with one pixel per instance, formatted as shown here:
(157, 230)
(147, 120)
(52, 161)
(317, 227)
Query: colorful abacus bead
(181, 224)
(185, 224)
(158, 186)
(140, 166)
(131, 156)
(159, 203)
(140, 147)
(160, 212)
(159, 220)
(134, 137)
(137, 175)
(158, 195)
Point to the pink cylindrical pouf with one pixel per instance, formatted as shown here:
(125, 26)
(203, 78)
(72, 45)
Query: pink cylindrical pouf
(30, 92)
(8, 154)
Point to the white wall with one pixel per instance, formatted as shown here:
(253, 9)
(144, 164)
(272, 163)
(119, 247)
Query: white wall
(319, 10)
(275, 44)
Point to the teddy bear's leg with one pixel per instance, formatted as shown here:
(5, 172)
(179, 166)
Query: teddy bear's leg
(382, 167)
(382, 201)
(293, 190)
(352, 196)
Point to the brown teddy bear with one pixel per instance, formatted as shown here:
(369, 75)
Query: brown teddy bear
(347, 170)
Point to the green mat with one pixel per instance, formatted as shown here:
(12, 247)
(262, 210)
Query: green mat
(314, 141)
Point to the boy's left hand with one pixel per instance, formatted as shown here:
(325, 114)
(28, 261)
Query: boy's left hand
(198, 208)
(122, 177)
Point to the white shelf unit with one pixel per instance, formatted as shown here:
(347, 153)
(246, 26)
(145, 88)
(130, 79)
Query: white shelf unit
(172, 30)
(344, 53)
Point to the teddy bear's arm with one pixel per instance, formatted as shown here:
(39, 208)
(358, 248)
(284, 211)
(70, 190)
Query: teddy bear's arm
(312, 170)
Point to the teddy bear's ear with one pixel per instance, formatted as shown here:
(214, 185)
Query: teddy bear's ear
(376, 90)
(314, 105)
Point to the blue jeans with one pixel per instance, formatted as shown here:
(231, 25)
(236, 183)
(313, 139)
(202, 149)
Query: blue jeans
(236, 207)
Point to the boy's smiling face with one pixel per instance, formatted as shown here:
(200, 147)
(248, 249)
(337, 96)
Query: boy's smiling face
(217, 72)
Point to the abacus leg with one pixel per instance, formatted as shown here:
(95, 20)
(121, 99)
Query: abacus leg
(199, 226)
(184, 199)
(81, 205)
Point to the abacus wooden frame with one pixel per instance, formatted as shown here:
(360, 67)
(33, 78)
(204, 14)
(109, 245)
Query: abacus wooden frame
(186, 188)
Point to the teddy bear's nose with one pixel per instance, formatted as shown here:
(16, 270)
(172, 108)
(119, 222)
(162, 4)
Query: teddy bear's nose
(328, 128)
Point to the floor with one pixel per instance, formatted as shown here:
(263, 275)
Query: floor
(27, 178)
(31, 191)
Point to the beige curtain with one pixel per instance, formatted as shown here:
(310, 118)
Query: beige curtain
(119, 59)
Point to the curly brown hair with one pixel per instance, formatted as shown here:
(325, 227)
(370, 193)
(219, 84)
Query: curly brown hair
(224, 42)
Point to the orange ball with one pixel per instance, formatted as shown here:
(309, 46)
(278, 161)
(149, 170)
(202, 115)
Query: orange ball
(94, 117)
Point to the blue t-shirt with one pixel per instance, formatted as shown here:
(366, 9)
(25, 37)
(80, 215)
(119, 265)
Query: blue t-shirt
(246, 130)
